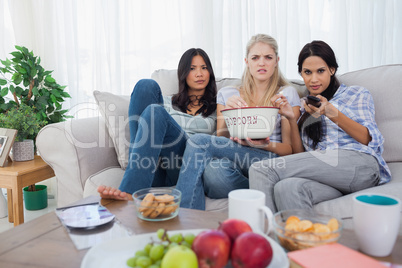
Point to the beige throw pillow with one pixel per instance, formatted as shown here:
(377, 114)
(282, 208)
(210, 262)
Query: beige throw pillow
(114, 109)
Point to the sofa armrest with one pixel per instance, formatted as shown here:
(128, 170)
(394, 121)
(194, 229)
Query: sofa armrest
(76, 149)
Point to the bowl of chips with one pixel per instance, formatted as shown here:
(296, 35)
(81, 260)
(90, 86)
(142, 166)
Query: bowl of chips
(157, 204)
(300, 229)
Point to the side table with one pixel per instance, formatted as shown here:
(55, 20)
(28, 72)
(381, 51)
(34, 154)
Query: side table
(17, 175)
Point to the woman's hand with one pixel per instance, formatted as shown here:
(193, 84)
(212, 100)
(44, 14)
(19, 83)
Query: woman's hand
(326, 108)
(284, 106)
(235, 102)
(260, 143)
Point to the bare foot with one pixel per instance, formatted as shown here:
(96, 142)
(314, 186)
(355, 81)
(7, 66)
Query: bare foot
(108, 192)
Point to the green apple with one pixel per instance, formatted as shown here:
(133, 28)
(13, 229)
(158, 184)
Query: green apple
(179, 257)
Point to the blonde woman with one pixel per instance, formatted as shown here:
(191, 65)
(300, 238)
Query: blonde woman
(225, 159)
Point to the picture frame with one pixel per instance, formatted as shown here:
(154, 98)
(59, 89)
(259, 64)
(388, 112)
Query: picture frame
(7, 137)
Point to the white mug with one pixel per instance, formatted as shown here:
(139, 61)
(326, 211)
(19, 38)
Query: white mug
(249, 205)
(376, 220)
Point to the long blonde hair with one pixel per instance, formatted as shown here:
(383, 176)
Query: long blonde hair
(277, 80)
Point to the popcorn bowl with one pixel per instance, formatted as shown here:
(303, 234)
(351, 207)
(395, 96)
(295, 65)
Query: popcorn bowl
(157, 204)
(300, 229)
(250, 122)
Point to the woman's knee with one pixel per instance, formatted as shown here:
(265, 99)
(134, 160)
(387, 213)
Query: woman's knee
(146, 86)
(199, 139)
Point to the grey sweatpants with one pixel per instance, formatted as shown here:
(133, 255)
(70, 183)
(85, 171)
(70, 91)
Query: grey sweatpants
(305, 179)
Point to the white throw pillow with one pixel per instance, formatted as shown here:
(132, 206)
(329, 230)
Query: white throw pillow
(114, 109)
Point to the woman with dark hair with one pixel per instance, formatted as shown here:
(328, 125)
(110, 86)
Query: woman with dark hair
(160, 126)
(340, 144)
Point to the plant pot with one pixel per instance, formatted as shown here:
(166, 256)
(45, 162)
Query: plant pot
(23, 150)
(37, 199)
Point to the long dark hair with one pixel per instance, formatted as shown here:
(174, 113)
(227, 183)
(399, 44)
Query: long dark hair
(314, 127)
(181, 99)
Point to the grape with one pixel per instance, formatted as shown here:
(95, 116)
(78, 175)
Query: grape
(152, 254)
(189, 238)
(147, 248)
(143, 261)
(160, 233)
(176, 238)
(173, 244)
(156, 252)
(184, 243)
(131, 262)
(140, 253)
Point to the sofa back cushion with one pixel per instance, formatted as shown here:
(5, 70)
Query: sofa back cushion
(385, 85)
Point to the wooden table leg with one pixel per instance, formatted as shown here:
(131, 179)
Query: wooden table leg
(10, 205)
(18, 207)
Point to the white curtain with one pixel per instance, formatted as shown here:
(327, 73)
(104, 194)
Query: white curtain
(108, 45)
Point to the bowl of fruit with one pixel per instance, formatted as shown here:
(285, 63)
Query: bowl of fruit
(232, 244)
(157, 204)
(300, 229)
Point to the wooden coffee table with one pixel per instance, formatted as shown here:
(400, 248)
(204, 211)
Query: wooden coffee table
(44, 242)
(17, 175)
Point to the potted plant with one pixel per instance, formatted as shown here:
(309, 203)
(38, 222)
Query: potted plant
(27, 123)
(25, 83)
(28, 82)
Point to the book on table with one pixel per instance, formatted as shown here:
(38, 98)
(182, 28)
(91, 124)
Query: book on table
(332, 255)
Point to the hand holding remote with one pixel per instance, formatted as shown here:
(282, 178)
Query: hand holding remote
(316, 102)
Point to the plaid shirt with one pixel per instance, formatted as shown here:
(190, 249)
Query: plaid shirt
(356, 103)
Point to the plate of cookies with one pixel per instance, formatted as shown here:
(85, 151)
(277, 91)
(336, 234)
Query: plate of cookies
(157, 204)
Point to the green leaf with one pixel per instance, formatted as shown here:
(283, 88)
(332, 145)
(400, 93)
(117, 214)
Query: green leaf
(3, 82)
(21, 70)
(12, 89)
(25, 51)
(33, 72)
(17, 55)
(65, 95)
(49, 79)
(35, 91)
(19, 48)
(55, 92)
(4, 91)
(26, 82)
(47, 72)
(53, 98)
(42, 100)
(17, 79)
(19, 90)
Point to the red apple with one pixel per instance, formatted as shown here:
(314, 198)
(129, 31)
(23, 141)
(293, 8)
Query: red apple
(212, 248)
(251, 250)
(234, 227)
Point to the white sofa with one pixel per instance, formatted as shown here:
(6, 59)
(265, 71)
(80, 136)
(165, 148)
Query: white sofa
(85, 153)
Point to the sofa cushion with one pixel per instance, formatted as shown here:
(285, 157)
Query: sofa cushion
(114, 110)
(111, 176)
(384, 84)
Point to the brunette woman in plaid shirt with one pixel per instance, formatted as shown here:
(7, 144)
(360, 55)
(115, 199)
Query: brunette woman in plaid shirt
(338, 145)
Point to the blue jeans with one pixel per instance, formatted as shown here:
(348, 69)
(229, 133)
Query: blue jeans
(157, 142)
(222, 176)
(200, 150)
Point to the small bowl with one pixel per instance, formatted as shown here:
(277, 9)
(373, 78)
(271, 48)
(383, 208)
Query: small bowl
(294, 235)
(251, 122)
(157, 204)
